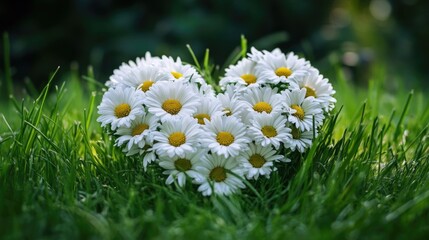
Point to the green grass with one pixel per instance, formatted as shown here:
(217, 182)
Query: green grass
(366, 176)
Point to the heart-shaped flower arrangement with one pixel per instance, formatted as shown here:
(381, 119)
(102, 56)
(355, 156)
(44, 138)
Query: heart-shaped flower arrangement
(271, 104)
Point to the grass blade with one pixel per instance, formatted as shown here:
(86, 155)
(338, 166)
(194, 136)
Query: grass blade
(41, 98)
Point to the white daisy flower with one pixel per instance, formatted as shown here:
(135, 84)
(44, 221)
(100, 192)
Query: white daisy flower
(124, 70)
(280, 68)
(301, 110)
(231, 104)
(205, 89)
(207, 109)
(148, 59)
(225, 136)
(171, 100)
(135, 149)
(317, 87)
(177, 137)
(220, 176)
(178, 168)
(138, 133)
(180, 72)
(242, 75)
(301, 140)
(147, 152)
(256, 55)
(258, 160)
(142, 77)
(269, 130)
(120, 106)
(118, 74)
(260, 100)
(231, 91)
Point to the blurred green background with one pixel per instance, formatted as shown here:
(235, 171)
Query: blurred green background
(358, 35)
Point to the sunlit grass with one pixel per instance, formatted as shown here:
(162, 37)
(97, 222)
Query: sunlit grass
(367, 175)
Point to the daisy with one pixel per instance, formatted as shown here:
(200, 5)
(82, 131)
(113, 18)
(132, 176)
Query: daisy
(171, 100)
(139, 132)
(231, 104)
(258, 160)
(205, 89)
(147, 152)
(242, 75)
(120, 106)
(220, 176)
(231, 91)
(256, 55)
(300, 140)
(178, 71)
(178, 168)
(148, 59)
(177, 137)
(269, 130)
(124, 70)
(280, 68)
(207, 109)
(225, 136)
(317, 87)
(301, 110)
(142, 77)
(262, 100)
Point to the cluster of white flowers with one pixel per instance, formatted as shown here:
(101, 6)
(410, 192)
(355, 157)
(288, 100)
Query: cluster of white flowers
(164, 111)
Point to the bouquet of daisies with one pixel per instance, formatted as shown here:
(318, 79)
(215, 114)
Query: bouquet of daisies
(163, 111)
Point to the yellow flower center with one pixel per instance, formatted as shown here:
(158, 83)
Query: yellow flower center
(218, 174)
(137, 130)
(227, 111)
(262, 107)
(200, 117)
(299, 111)
(176, 75)
(296, 134)
(283, 71)
(176, 139)
(311, 92)
(249, 78)
(269, 131)
(257, 160)
(122, 110)
(172, 106)
(182, 164)
(146, 85)
(225, 138)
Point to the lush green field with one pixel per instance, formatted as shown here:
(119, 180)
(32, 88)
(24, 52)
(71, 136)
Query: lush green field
(366, 176)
